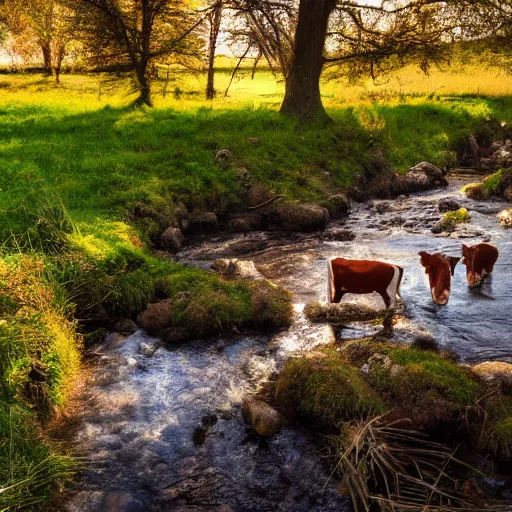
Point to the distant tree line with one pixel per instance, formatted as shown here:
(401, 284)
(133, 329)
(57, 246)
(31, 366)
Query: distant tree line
(298, 39)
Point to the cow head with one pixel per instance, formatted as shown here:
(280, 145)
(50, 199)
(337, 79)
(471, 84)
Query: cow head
(474, 279)
(440, 269)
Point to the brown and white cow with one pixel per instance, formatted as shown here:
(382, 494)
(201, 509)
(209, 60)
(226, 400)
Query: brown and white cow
(440, 269)
(479, 260)
(361, 277)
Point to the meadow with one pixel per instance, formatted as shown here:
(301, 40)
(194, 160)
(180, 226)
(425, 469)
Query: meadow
(76, 160)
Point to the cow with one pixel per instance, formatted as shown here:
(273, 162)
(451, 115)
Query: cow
(361, 277)
(440, 269)
(479, 260)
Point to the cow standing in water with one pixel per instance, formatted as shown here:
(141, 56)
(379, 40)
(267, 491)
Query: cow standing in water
(479, 260)
(440, 269)
(361, 277)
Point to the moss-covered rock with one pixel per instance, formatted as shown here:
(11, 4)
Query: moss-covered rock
(325, 392)
(428, 388)
(475, 191)
(366, 376)
(451, 220)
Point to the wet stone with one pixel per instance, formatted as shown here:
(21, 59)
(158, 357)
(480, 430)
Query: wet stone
(121, 502)
(126, 326)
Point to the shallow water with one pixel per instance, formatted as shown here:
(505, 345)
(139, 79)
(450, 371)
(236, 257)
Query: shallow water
(142, 412)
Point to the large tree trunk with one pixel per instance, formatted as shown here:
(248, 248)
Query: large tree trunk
(302, 98)
(47, 56)
(144, 87)
(215, 20)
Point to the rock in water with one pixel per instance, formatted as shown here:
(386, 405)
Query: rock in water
(236, 268)
(341, 313)
(172, 239)
(156, 316)
(449, 204)
(505, 218)
(125, 326)
(265, 420)
(423, 176)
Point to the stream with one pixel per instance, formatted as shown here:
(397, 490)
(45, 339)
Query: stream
(163, 432)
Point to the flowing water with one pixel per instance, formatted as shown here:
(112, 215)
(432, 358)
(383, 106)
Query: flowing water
(164, 432)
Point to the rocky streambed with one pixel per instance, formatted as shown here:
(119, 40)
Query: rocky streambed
(162, 429)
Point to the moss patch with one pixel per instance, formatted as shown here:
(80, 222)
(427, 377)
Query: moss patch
(451, 219)
(325, 392)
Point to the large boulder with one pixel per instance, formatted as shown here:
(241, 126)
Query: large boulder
(423, 176)
(301, 217)
(265, 420)
(171, 239)
(156, 317)
(337, 205)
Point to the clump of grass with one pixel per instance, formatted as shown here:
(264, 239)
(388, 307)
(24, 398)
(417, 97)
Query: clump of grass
(451, 220)
(30, 469)
(341, 313)
(388, 464)
(428, 388)
(213, 306)
(38, 345)
(492, 183)
(271, 306)
(325, 392)
(491, 422)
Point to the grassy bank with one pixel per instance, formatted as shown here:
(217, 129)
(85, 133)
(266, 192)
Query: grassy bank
(39, 360)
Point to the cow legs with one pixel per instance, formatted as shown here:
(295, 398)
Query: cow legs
(338, 296)
(386, 298)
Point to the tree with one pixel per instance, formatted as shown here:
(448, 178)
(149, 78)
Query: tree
(214, 17)
(362, 35)
(133, 35)
(49, 23)
(302, 96)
